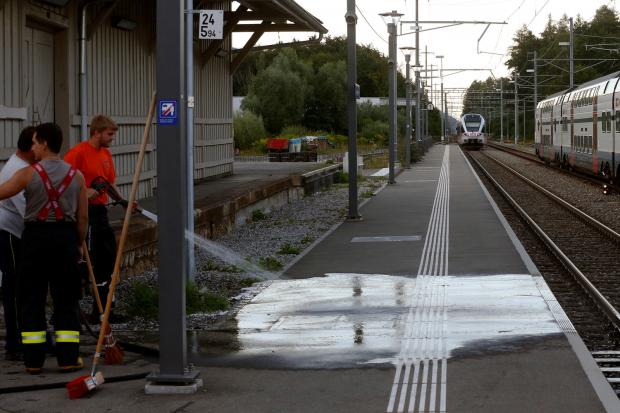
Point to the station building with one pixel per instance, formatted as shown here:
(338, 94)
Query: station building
(49, 49)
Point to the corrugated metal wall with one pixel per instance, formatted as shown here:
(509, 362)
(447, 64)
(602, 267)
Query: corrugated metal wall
(10, 93)
(121, 78)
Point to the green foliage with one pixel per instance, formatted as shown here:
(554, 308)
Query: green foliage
(288, 249)
(203, 302)
(248, 129)
(142, 300)
(307, 239)
(307, 84)
(293, 131)
(270, 263)
(248, 282)
(341, 177)
(278, 92)
(367, 194)
(258, 215)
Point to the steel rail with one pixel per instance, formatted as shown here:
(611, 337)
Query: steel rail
(598, 298)
(584, 216)
(575, 173)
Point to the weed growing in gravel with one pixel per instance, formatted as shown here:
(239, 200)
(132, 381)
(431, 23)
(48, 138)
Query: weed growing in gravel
(307, 239)
(341, 177)
(258, 215)
(367, 194)
(143, 301)
(248, 282)
(203, 302)
(270, 263)
(287, 248)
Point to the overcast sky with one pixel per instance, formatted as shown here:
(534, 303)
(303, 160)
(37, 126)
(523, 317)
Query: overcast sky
(457, 44)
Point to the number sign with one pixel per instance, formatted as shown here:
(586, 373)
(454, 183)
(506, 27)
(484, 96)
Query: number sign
(211, 24)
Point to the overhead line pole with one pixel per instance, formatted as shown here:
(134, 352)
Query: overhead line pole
(417, 75)
(351, 19)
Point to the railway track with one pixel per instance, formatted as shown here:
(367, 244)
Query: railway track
(598, 181)
(587, 283)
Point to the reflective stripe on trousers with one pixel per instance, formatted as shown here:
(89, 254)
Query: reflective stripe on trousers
(67, 336)
(33, 337)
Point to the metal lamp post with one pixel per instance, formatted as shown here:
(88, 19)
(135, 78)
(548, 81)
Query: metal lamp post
(351, 19)
(443, 120)
(392, 18)
(515, 81)
(408, 99)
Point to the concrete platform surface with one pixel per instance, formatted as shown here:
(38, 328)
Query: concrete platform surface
(439, 310)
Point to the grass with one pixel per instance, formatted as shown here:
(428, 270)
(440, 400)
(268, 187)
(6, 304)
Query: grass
(307, 239)
(270, 263)
(143, 301)
(258, 215)
(367, 194)
(287, 248)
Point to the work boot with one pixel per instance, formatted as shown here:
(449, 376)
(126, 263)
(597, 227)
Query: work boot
(79, 364)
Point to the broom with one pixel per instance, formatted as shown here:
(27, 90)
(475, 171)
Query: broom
(82, 385)
(113, 353)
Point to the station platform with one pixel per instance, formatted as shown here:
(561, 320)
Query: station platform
(427, 304)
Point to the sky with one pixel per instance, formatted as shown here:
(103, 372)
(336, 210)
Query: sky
(458, 44)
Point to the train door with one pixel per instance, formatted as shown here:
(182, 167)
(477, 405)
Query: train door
(615, 155)
(38, 75)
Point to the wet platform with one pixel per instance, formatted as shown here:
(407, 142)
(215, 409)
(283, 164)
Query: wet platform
(429, 304)
(433, 289)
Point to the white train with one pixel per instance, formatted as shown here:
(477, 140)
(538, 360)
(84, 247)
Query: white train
(471, 133)
(580, 129)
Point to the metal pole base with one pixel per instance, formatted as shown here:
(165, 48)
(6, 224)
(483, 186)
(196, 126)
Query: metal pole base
(187, 383)
(355, 219)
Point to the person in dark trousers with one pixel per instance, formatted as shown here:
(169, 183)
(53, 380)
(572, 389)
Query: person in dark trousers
(56, 219)
(11, 227)
(93, 159)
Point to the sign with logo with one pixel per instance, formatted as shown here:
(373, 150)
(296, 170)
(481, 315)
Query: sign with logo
(168, 112)
(211, 24)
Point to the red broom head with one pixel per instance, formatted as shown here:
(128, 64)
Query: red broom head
(113, 352)
(81, 386)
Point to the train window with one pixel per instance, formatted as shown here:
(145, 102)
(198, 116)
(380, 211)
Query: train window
(609, 117)
(604, 122)
(618, 120)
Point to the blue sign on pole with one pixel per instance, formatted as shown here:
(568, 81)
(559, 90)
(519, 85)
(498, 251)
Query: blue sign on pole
(167, 113)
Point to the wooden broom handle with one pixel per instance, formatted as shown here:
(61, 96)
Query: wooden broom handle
(121, 243)
(91, 276)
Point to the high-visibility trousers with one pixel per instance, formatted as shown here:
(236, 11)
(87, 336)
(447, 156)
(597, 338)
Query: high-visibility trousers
(49, 262)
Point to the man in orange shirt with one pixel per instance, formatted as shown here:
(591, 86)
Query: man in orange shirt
(93, 159)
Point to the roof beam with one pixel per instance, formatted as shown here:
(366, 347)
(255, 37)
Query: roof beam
(277, 27)
(234, 65)
(231, 22)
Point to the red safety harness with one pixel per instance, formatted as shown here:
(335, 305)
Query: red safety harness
(53, 194)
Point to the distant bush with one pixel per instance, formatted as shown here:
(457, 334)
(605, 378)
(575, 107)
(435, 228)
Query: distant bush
(248, 129)
(293, 131)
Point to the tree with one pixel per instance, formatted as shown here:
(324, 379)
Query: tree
(326, 109)
(278, 92)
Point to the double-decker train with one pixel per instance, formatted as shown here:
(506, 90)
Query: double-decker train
(580, 128)
(471, 133)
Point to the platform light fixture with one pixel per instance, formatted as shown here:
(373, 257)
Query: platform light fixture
(124, 24)
(392, 17)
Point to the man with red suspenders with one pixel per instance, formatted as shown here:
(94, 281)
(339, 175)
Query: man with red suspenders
(56, 219)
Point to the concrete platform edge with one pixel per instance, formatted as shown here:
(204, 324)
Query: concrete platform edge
(603, 390)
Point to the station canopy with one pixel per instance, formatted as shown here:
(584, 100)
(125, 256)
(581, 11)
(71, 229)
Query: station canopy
(259, 17)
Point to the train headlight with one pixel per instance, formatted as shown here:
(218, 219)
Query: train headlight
(606, 189)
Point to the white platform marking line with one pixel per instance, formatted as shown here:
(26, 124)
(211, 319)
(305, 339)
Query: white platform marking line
(424, 321)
